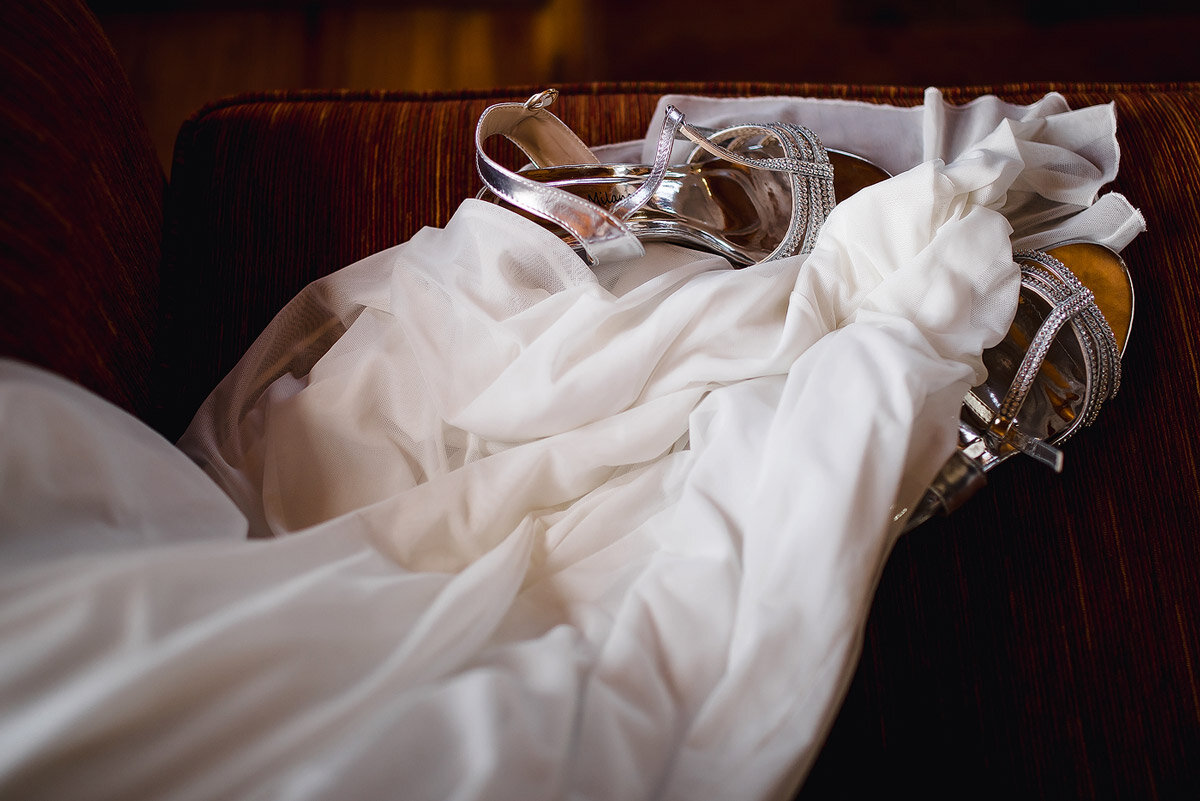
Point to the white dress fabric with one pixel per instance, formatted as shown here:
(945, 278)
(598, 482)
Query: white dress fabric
(472, 521)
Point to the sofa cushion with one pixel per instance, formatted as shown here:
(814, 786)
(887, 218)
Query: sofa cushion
(81, 206)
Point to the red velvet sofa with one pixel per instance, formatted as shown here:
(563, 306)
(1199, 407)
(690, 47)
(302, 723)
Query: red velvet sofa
(1043, 642)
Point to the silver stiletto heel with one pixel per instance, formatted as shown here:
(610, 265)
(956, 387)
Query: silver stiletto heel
(751, 192)
(1050, 375)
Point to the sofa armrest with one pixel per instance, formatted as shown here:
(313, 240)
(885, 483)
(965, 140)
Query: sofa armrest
(81, 206)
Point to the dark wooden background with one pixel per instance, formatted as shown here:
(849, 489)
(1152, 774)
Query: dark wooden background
(181, 54)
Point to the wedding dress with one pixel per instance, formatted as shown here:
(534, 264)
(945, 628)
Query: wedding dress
(470, 520)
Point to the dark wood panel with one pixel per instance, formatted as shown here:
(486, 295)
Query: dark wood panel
(196, 51)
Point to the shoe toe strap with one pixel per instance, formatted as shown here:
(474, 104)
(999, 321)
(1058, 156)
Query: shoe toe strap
(1074, 304)
(804, 161)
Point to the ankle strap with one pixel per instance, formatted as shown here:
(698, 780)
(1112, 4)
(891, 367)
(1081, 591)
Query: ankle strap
(547, 141)
(543, 137)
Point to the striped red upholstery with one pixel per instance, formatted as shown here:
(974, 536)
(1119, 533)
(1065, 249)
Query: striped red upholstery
(81, 206)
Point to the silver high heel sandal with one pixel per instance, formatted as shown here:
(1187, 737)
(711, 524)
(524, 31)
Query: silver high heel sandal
(751, 193)
(1050, 375)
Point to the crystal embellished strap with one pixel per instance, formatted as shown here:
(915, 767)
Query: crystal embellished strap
(817, 165)
(813, 191)
(1074, 303)
(1102, 351)
(805, 162)
(1036, 354)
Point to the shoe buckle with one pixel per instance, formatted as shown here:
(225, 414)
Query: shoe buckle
(541, 99)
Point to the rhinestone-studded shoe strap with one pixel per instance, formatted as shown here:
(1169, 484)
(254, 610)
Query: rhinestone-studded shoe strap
(805, 162)
(1073, 303)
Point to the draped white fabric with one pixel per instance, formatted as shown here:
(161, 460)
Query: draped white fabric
(518, 529)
